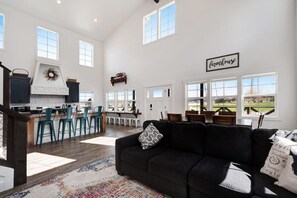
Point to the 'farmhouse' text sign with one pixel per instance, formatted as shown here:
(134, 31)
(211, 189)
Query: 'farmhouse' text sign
(222, 62)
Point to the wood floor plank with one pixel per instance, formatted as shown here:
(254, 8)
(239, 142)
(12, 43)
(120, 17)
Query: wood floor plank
(83, 153)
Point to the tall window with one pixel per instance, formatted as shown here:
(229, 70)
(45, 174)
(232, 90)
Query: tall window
(86, 51)
(167, 20)
(131, 100)
(110, 100)
(196, 96)
(159, 24)
(47, 43)
(1, 31)
(120, 100)
(224, 95)
(150, 27)
(259, 94)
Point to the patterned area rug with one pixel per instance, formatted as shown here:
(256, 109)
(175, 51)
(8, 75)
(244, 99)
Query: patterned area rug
(98, 179)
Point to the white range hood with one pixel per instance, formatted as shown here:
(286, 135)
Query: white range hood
(48, 80)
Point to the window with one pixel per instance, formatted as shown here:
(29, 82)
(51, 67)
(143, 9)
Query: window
(110, 100)
(259, 94)
(224, 95)
(157, 93)
(150, 27)
(120, 101)
(124, 100)
(196, 96)
(86, 98)
(167, 20)
(131, 100)
(86, 51)
(159, 24)
(1, 31)
(47, 43)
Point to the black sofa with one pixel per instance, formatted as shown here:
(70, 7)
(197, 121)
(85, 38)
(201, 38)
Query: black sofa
(203, 161)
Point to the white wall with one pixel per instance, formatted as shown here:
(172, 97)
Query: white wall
(262, 31)
(20, 51)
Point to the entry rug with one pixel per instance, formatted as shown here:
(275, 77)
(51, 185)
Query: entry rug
(98, 179)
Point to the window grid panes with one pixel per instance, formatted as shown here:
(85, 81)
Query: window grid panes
(224, 95)
(124, 100)
(47, 43)
(167, 20)
(259, 94)
(131, 100)
(150, 27)
(120, 100)
(196, 94)
(159, 24)
(86, 51)
(110, 100)
(1, 31)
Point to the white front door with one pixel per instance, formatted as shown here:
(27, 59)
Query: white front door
(158, 99)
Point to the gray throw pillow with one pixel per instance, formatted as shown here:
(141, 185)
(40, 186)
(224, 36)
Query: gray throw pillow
(150, 137)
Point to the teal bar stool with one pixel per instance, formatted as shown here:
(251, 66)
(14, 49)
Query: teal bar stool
(83, 121)
(97, 118)
(64, 121)
(41, 125)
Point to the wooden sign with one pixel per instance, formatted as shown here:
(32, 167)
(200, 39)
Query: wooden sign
(222, 62)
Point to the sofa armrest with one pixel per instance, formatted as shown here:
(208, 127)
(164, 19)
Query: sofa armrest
(123, 143)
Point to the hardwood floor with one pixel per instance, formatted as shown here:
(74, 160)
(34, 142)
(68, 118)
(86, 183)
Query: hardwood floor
(83, 153)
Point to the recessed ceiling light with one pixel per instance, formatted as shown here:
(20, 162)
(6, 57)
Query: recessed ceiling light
(95, 20)
(59, 1)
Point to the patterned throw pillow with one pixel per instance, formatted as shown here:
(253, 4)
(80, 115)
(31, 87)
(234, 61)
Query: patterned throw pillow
(288, 177)
(291, 135)
(277, 157)
(150, 137)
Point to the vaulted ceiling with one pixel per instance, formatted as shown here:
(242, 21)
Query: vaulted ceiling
(79, 15)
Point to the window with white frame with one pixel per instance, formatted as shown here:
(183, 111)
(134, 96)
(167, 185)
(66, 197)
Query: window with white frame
(120, 100)
(131, 100)
(86, 98)
(124, 100)
(150, 23)
(86, 54)
(47, 43)
(196, 94)
(1, 31)
(110, 101)
(167, 20)
(224, 95)
(259, 94)
(160, 23)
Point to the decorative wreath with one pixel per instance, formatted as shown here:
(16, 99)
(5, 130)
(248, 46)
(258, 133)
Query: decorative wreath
(51, 74)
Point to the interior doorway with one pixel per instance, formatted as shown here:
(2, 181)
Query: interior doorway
(158, 99)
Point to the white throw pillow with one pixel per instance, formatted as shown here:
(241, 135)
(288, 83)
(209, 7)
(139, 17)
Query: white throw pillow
(288, 177)
(277, 157)
(150, 137)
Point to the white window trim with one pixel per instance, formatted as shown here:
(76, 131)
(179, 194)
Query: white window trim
(157, 11)
(4, 40)
(275, 116)
(93, 49)
(206, 98)
(159, 20)
(143, 27)
(58, 44)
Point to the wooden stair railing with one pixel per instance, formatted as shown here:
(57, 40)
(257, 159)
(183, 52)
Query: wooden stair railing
(13, 135)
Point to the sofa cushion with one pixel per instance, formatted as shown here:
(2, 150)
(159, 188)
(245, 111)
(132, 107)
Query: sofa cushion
(233, 143)
(188, 137)
(138, 157)
(173, 165)
(221, 178)
(264, 186)
(262, 142)
(164, 128)
(150, 137)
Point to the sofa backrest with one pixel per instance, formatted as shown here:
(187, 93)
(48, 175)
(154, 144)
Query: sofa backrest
(233, 143)
(262, 142)
(188, 137)
(164, 127)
